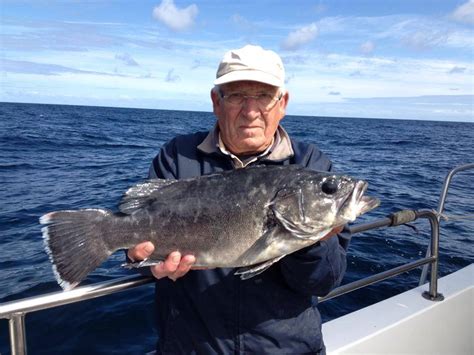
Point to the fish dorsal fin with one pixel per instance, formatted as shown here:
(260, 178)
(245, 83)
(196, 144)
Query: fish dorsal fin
(288, 208)
(142, 194)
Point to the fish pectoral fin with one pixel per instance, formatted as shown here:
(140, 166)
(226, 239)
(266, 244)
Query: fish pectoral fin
(287, 207)
(253, 270)
(141, 195)
(143, 263)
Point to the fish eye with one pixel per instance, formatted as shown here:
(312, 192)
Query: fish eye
(329, 186)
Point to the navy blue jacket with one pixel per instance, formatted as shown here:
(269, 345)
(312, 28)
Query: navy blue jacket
(215, 312)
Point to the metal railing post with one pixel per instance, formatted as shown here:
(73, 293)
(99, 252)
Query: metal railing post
(442, 200)
(433, 294)
(15, 311)
(16, 325)
(433, 259)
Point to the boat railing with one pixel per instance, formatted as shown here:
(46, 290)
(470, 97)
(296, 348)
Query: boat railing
(15, 311)
(441, 203)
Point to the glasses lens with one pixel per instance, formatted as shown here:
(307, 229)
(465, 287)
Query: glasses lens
(264, 101)
(235, 98)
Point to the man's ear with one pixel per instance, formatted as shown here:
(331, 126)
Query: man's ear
(216, 102)
(283, 103)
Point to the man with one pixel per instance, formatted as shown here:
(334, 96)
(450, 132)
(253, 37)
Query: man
(212, 311)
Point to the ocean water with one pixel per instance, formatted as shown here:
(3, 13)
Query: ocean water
(56, 157)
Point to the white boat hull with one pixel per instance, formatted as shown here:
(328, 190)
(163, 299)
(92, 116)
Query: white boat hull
(410, 324)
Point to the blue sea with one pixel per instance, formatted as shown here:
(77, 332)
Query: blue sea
(56, 157)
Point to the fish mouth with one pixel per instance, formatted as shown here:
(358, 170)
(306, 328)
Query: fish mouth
(357, 203)
(368, 203)
(364, 203)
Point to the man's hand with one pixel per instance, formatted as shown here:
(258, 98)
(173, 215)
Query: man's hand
(173, 267)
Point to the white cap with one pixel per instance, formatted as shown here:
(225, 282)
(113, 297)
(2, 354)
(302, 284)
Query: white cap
(251, 63)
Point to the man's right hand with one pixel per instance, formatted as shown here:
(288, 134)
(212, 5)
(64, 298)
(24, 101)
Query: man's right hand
(174, 267)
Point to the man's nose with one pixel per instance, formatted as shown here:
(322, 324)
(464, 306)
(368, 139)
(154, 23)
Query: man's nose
(250, 105)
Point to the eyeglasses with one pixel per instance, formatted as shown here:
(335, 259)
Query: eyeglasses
(265, 101)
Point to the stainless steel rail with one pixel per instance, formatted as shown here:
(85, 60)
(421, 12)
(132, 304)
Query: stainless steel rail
(15, 311)
(442, 201)
(432, 294)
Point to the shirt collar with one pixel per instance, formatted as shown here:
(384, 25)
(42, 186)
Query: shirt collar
(281, 148)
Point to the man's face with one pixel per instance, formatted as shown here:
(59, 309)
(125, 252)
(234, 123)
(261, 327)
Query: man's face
(248, 128)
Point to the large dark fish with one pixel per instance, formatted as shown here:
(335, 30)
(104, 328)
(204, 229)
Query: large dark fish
(247, 218)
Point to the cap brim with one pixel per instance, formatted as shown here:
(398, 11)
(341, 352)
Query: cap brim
(248, 75)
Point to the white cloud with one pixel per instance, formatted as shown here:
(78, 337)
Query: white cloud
(320, 8)
(457, 70)
(424, 40)
(300, 37)
(464, 13)
(461, 40)
(171, 77)
(127, 59)
(173, 17)
(243, 23)
(442, 108)
(367, 47)
(421, 33)
(28, 67)
(363, 77)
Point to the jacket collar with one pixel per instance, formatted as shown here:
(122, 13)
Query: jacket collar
(281, 148)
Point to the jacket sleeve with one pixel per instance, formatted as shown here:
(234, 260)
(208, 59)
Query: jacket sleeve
(317, 269)
(164, 165)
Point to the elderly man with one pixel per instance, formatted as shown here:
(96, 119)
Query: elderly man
(212, 311)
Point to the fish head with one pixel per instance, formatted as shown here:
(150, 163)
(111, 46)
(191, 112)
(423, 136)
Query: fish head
(314, 203)
(330, 200)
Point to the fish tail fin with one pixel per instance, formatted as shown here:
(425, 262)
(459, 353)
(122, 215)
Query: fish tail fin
(75, 243)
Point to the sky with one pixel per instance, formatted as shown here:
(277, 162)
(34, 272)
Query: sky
(403, 59)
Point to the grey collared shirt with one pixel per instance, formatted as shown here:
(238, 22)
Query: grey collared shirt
(280, 148)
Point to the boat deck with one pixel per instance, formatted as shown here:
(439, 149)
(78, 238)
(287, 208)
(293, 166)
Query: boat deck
(410, 324)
